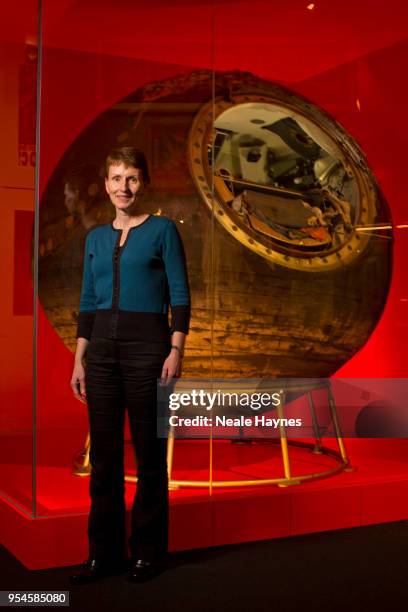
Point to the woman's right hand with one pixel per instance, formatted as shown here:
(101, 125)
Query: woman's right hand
(78, 382)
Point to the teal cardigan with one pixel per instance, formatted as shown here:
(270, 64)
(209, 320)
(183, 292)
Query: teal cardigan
(126, 291)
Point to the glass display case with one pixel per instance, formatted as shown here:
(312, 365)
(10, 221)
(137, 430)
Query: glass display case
(281, 166)
(19, 90)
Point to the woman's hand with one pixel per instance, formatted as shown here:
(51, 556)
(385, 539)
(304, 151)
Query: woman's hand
(171, 367)
(78, 382)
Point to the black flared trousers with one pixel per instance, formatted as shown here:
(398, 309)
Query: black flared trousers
(120, 375)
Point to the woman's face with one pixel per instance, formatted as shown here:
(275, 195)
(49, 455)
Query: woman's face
(71, 197)
(124, 185)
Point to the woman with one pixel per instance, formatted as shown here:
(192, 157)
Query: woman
(134, 267)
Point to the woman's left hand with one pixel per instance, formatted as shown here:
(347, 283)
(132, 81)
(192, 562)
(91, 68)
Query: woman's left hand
(171, 367)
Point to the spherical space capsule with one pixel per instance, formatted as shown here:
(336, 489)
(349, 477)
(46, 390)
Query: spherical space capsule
(281, 219)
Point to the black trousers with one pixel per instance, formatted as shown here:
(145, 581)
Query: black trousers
(120, 375)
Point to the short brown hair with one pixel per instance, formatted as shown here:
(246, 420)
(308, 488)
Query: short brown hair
(130, 156)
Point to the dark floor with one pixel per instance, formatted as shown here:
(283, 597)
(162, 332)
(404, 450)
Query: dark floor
(353, 569)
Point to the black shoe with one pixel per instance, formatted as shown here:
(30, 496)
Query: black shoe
(94, 570)
(142, 571)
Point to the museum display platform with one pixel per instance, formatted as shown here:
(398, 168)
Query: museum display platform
(375, 491)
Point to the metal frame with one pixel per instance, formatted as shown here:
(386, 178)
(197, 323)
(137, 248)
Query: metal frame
(340, 457)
